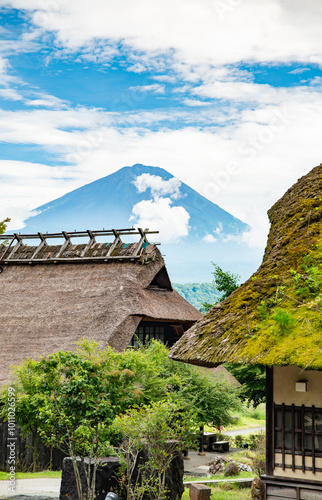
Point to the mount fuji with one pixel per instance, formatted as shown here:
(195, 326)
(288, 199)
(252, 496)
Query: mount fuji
(193, 230)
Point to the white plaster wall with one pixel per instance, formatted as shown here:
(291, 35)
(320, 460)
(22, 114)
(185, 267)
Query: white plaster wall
(284, 386)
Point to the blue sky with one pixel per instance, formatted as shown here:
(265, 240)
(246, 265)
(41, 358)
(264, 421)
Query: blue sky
(224, 94)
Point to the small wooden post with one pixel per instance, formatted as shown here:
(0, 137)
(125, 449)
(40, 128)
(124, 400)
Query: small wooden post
(201, 450)
(199, 492)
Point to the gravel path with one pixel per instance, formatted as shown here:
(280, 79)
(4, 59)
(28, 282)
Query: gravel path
(237, 432)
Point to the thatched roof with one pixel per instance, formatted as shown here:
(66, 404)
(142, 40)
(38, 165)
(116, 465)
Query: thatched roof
(49, 305)
(275, 317)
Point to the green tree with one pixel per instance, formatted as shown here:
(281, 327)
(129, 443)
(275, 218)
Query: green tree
(253, 380)
(159, 378)
(3, 225)
(73, 397)
(225, 282)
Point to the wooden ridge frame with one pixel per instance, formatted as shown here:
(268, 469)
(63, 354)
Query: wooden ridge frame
(11, 252)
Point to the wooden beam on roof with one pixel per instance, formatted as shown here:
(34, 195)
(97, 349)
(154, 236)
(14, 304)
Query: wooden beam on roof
(115, 242)
(143, 240)
(18, 245)
(90, 242)
(70, 260)
(42, 244)
(64, 246)
(23, 258)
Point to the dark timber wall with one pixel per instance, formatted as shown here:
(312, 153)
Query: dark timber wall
(24, 451)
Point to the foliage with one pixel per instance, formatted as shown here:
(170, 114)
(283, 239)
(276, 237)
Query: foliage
(225, 282)
(158, 377)
(197, 293)
(239, 440)
(152, 436)
(259, 458)
(284, 320)
(3, 225)
(254, 441)
(253, 380)
(73, 398)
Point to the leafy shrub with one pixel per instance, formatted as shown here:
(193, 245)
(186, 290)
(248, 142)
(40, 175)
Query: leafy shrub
(239, 440)
(259, 458)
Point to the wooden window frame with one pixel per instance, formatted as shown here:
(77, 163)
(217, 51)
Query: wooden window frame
(298, 434)
(147, 332)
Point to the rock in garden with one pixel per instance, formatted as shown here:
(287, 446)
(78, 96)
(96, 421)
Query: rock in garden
(244, 467)
(217, 466)
(257, 489)
(231, 469)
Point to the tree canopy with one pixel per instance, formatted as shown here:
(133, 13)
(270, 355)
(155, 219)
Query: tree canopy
(224, 282)
(3, 225)
(72, 398)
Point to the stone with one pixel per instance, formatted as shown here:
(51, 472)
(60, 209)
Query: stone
(217, 466)
(222, 446)
(257, 489)
(105, 478)
(231, 469)
(199, 492)
(244, 467)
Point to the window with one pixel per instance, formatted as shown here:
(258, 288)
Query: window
(298, 431)
(144, 334)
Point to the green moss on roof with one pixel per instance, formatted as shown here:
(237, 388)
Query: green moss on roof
(275, 317)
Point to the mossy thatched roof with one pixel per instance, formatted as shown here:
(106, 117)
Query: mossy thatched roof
(275, 317)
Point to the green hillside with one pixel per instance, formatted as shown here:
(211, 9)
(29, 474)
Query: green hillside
(197, 293)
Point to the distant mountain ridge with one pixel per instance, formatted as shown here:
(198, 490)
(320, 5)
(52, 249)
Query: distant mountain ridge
(198, 293)
(193, 230)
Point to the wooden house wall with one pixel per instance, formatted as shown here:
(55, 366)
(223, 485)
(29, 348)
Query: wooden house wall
(294, 464)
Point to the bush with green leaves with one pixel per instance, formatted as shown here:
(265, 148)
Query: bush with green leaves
(259, 458)
(158, 432)
(72, 398)
(212, 398)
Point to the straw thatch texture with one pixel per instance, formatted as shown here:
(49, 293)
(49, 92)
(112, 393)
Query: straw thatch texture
(47, 307)
(275, 317)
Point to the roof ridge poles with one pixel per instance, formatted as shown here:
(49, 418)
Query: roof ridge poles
(7, 249)
(18, 245)
(64, 245)
(91, 242)
(115, 243)
(43, 243)
(142, 240)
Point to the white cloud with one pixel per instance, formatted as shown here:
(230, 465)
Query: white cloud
(196, 31)
(256, 237)
(158, 186)
(33, 184)
(10, 94)
(155, 88)
(195, 102)
(46, 101)
(158, 214)
(298, 71)
(209, 238)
